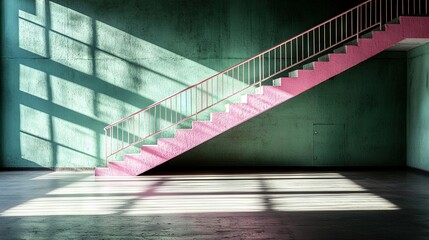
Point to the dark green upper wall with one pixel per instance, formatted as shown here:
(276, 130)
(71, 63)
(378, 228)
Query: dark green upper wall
(72, 67)
(216, 33)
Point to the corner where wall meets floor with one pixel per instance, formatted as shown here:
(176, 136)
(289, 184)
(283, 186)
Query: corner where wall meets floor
(418, 108)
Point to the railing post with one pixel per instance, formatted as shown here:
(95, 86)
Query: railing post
(381, 14)
(357, 26)
(260, 71)
(105, 145)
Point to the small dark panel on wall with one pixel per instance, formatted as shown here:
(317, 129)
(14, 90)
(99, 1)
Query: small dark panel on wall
(328, 144)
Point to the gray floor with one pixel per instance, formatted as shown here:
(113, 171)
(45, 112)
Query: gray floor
(250, 205)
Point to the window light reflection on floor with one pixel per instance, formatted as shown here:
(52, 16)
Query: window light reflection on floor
(83, 194)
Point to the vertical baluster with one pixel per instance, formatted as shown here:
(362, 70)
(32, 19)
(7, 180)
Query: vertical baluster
(397, 8)
(117, 136)
(414, 7)
(128, 130)
(196, 102)
(178, 107)
(222, 88)
(370, 14)
(109, 138)
(364, 17)
(275, 60)
(347, 22)
(286, 55)
(330, 33)
(318, 39)
(280, 60)
(408, 8)
(357, 22)
(190, 104)
(420, 7)
(269, 66)
(122, 136)
(314, 41)
(165, 111)
(302, 46)
(254, 71)
(238, 74)
(171, 110)
(308, 44)
(226, 83)
(106, 140)
(242, 73)
(260, 69)
(212, 93)
(232, 80)
(133, 133)
(324, 36)
(427, 7)
(367, 16)
(336, 29)
(387, 11)
(185, 112)
(158, 119)
(248, 72)
(207, 94)
(154, 119)
(379, 12)
(148, 126)
(139, 124)
(391, 11)
(201, 97)
(296, 51)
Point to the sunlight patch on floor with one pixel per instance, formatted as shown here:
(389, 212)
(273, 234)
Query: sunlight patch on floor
(84, 194)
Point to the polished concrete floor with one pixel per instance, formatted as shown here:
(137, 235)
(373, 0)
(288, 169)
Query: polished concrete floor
(247, 205)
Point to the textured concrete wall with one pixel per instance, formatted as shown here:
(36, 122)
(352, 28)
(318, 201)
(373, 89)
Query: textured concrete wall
(72, 67)
(2, 80)
(368, 100)
(418, 108)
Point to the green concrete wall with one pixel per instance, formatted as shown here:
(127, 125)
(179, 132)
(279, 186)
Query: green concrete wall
(368, 101)
(418, 108)
(72, 67)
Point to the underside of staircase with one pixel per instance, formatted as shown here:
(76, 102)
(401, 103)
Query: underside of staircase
(268, 97)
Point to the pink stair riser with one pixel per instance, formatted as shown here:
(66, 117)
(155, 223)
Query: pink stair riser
(152, 156)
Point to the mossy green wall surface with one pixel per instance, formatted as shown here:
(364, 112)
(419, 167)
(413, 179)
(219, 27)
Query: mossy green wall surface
(72, 67)
(418, 108)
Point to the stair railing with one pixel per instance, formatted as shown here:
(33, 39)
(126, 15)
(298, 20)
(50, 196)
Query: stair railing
(199, 97)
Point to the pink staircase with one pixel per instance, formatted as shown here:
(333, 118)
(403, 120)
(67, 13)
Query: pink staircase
(268, 97)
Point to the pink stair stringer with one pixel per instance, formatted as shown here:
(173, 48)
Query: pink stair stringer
(269, 97)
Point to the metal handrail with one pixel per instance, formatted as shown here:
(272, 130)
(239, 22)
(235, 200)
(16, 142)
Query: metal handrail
(314, 42)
